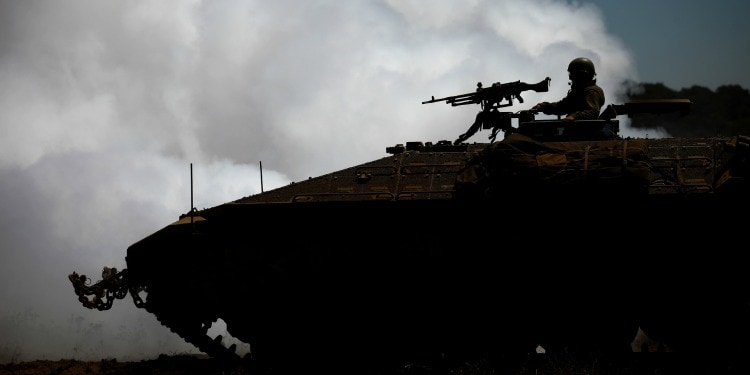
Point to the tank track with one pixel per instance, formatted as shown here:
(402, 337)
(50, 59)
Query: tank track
(191, 328)
(195, 332)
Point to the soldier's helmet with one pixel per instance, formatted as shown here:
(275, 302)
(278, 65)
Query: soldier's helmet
(581, 68)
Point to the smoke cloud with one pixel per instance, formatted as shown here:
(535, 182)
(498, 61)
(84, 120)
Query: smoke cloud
(104, 105)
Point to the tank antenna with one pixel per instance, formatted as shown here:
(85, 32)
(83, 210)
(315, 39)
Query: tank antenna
(192, 222)
(261, 175)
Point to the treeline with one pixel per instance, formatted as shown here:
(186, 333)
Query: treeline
(724, 112)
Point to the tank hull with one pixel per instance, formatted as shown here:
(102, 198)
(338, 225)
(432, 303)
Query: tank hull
(383, 280)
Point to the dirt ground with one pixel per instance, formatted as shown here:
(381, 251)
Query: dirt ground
(164, 365)
(639, 363)
(182, 365)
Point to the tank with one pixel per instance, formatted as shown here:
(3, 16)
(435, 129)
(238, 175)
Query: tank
(562, 236)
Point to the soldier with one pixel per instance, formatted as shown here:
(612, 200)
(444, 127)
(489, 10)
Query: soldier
(584, 100)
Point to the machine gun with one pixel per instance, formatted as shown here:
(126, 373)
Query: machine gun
(491, 98)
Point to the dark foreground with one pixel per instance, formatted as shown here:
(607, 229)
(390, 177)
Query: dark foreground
(536, 364)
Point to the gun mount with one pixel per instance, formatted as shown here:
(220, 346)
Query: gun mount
(563, 234)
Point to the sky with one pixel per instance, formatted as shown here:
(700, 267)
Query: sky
(106, 105)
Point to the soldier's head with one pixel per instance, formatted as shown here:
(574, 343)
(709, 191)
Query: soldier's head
(581, 69)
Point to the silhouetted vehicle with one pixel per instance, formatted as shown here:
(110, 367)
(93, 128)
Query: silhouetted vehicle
(562, 234)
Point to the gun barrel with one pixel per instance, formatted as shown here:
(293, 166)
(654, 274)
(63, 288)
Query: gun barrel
(452, 99)
(463, 101)
(653, 106)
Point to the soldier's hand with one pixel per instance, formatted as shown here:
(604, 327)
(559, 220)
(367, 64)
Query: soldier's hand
(539, 107)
